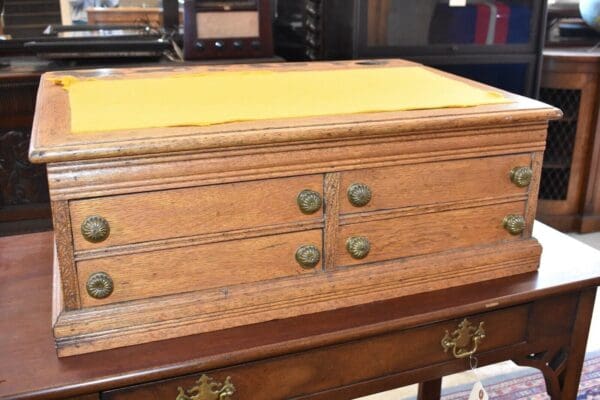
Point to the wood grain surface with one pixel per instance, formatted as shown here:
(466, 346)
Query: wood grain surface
(63, 240)
(152, 216)
(360, 361)
(202, 311)
(217, 266)
(428, 233)
(176, 170)
(427, 183)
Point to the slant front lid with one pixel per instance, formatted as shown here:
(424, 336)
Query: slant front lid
(103, 113)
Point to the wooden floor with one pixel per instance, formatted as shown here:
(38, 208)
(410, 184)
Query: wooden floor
(507, 367)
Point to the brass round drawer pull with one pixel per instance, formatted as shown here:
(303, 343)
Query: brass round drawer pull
(95, 229)
(521, 176)
(359, 194)
(308, 256)
(309, 201)
(464, 340)
(358, 247)
(514, 223)
(99, 285)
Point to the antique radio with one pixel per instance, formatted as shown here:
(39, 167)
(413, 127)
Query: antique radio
(293, 189)
(227, 29)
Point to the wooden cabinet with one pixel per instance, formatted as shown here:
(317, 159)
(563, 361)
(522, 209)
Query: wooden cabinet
(244, 222)
(570, 183)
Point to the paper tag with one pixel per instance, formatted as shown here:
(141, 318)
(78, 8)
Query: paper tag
(478, 392)
(457, 3)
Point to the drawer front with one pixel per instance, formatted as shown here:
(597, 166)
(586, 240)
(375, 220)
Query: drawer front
(430, 183)
(216, 265)
(346, 364)
(427, 233)
(177, 213)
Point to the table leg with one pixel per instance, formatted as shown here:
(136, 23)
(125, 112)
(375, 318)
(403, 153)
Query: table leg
(572, 374)
(430, 390)
(561, 365)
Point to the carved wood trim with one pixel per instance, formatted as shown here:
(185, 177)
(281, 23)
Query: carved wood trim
(21, 182)
(130, 175)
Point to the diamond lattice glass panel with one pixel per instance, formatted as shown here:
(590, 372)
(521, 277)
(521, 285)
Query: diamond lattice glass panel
(560, 143)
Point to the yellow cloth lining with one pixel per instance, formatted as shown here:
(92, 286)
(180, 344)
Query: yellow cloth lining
(105, 104)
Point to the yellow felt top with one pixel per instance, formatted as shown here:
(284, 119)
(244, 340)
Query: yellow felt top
(105, 104)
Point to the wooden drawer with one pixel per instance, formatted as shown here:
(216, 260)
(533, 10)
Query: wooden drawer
(429, 183)
(176, 213)
(413, 235)
(346, 364)
(216, 265)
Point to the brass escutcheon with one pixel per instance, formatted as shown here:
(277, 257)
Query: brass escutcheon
(95, 229)
(358, 247)
(464, 340)
(207, 388)
(309, 201)
(521, 176)
(308, 256)
(359, 194)
(514, 223)
(99, 285)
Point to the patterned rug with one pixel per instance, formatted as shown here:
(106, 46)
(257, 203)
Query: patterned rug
(529, 384)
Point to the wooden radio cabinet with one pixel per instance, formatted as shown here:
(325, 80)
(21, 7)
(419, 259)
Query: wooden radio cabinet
(167, 232)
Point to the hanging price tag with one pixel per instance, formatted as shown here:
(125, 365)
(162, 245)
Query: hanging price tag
(457, 3)
(478, 392)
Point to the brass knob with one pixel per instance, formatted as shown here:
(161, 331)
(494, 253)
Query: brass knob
(95, 229)
(99, 285)
(514, 223)
(521, 176)
(308, 256)
(359, 194)
(358, 247)
(309, 201)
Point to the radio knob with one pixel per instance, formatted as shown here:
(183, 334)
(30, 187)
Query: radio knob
(237, 44)
(220, 45)
(199, 45)
(255, 44)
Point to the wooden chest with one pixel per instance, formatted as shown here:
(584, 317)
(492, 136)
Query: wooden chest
(163, 232)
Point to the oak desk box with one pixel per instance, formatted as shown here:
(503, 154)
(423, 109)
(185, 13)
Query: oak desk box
(164, 231)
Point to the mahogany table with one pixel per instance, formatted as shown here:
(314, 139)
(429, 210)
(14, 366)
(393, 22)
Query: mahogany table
(537, 319)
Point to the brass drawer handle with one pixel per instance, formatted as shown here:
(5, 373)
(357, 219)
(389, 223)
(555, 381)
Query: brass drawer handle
(514, 223)
(207, 388)
(464, 340)
(308, 256)
(309, 201)
(359, 194)
(521, 176)
(358, 247)
(99, 285)
(95, 229)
